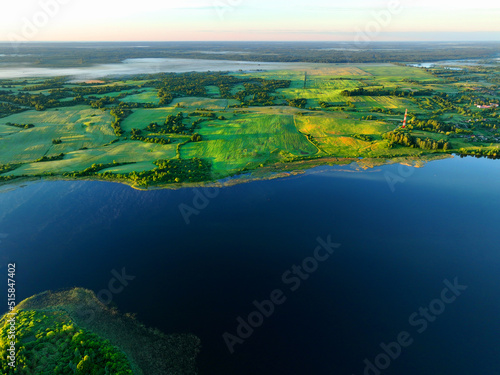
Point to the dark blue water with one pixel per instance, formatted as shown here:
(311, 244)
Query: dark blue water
(399, 242)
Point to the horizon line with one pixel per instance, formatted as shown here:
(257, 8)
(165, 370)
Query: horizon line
(249, 41)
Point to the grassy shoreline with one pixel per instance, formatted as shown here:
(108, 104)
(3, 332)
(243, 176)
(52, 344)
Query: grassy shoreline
(269, 172)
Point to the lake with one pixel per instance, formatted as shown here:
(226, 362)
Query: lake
(449, 64)
(406, 235)
(143, 66)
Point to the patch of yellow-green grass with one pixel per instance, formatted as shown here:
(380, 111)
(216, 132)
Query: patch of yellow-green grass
(328, 84)
(70, 115)
(231, 102)
(149, 96)
(142, 117)
(270, 74)
(339, 70)
(136, 151)
(300, 93)
(387, 102)
(111, 94)
(334, 133)
(329, 70)
(320, 90)
(391, 72)
(121, 152)
(237, 88)
(379, 149)
(75, 127)
(129, 168)
(343, 146)
(191, 104)
(276, 110)
(212, 90)
(425, 134)
(338, 124)
(249, 141)
(131, 82)
(8, 130)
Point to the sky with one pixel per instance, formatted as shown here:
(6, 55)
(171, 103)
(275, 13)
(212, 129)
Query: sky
(249, 20)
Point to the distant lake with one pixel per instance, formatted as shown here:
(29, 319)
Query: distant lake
(398, 245)
(159, 65)
(451, 63)
(141, 66)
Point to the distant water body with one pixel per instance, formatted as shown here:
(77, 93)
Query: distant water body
(448, 64)
(141, 66)
(159, 65)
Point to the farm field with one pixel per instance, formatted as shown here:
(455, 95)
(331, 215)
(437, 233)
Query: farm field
(249, 141)
(206, 126)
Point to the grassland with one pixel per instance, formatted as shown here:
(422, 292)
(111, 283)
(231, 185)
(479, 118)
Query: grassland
(248, 141)
(238, 132)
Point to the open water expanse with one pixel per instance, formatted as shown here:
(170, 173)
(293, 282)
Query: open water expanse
(351, 260)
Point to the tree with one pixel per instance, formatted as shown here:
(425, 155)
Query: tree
(196, 138)
(84, 366)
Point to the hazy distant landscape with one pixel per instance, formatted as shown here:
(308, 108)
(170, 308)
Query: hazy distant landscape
(140, 66)
(88, 54)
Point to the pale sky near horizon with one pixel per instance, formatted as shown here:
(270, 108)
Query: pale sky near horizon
(320, 20)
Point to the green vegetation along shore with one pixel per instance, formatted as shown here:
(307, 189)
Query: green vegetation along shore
(72, 332)
(190, 128)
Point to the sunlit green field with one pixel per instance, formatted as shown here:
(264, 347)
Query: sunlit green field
(140, 118)
(248, 141)
(77, 127)
(234, 139)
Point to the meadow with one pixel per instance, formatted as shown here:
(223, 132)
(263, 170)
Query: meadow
(309, 113)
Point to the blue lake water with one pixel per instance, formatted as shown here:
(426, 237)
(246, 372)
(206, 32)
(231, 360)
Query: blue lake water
(398, 241)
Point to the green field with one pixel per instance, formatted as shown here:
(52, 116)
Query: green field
(149, 96)
(249, 141)
(77, 127)
(140, 118)
(311, 114)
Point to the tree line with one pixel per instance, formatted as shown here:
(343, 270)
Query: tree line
(136, 136)
(360, 91)
(166, 172)
(408, 140)
(480, 153)
(21, 126)
(48, 342)
(119, 113)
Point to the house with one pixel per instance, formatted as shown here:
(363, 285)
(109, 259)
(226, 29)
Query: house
(492, 105)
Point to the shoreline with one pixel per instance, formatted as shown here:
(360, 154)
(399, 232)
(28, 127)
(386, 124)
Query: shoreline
(270, 172)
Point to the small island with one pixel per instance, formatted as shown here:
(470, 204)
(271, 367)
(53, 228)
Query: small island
(72, 332)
